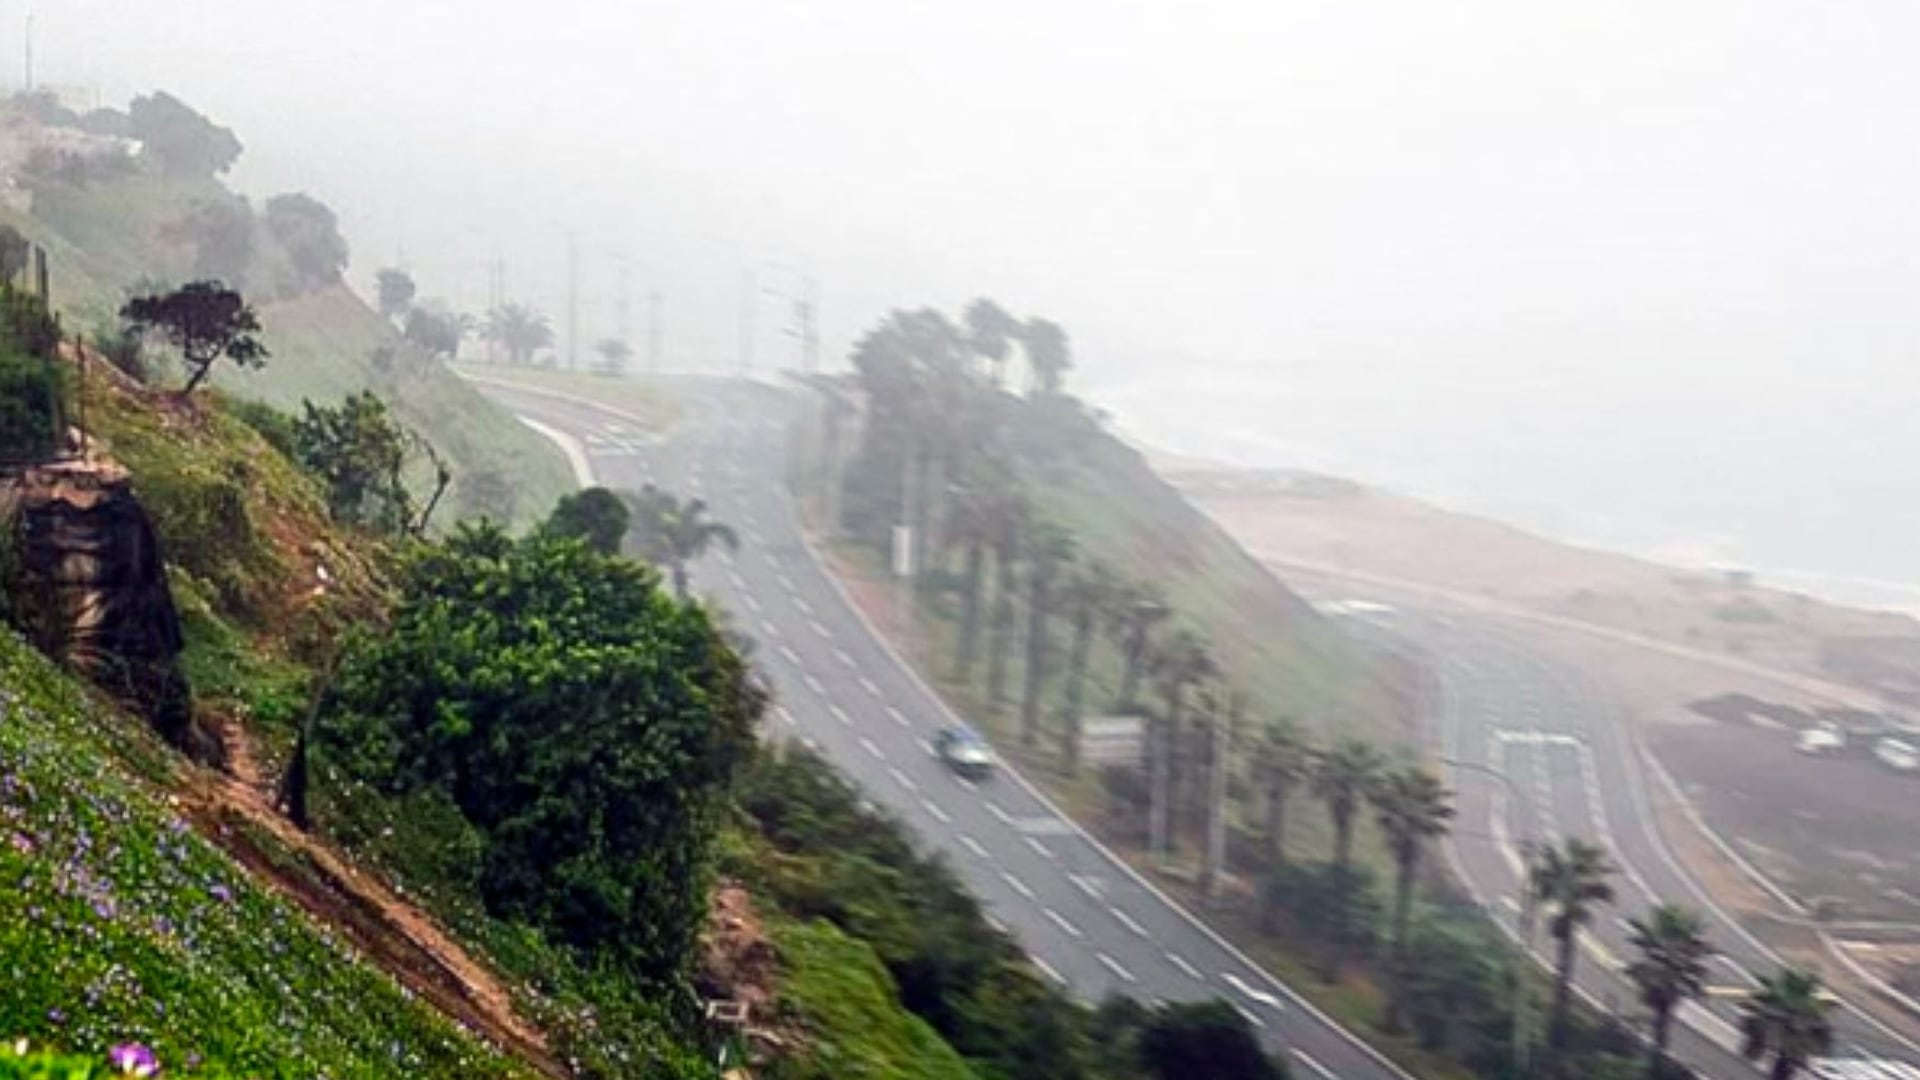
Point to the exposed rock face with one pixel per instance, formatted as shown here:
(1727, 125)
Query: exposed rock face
(90, 587)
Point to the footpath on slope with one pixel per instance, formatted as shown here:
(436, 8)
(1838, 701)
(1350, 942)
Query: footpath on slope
(392, 932)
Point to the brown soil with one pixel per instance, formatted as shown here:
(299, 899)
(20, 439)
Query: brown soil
(234, 811)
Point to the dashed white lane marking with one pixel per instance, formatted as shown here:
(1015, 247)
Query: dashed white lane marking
(869, 686)
(1046, 969)
(813, 684)
(1113, 965)
(840, 714)
(769, 629)
(965, 783)
(1000, 815)
(1084, 886)
(1016, 885)
(805, 608)
(974, 846)
(820, 628)
(927, 745)
(898, 716)
(1250, 1018)
(938, 814)
(786, 651)
(1186, 969)
(1260, 996)
(842, 656)
(1039, 848)
(785, 716)
(872, 750)
(1306, 1059)
(739, 582)
(1127, 921)
(1060, 921)
(785, 581)
(752, 604)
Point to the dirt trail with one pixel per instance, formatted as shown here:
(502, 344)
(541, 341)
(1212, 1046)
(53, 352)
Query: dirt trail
(231, 810)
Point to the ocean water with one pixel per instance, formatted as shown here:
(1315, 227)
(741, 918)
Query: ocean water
(1813, 486)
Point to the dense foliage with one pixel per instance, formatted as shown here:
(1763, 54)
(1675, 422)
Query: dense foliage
(583, 724)
(360, 455)
(206, 321)
(183, 143)
(30, 410)
(596, 516)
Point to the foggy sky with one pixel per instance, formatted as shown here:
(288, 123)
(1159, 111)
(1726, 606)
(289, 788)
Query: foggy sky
(1640, 272)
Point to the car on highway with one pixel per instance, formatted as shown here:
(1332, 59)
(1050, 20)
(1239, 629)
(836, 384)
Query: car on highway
(1898, 755)
(1827, 738)
(964, 751)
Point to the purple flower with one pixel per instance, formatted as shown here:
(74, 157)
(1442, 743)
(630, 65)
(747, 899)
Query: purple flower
(135, 1059)
(222, 894)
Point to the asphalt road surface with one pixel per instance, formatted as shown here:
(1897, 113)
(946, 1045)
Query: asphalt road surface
(1541, 753)
(1085, 919)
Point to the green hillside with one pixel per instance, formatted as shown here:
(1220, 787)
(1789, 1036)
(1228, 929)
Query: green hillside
(110, 232)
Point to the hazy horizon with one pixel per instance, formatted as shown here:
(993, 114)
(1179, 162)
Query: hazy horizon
(1639, 275)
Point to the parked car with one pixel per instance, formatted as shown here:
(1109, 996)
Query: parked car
(1897, 754)
(1827, 738)
(963, 751)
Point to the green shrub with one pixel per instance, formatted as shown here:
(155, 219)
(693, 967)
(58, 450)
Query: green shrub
(30, 407)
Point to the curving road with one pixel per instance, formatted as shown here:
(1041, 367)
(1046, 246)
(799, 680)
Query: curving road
(1088, 921)
(1542, 753)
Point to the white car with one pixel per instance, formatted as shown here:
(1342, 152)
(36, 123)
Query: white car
(1825, 739)
(1898, 755)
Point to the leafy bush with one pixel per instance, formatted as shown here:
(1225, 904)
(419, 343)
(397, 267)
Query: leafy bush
(360, 453)
(584, 724)
(280, 429)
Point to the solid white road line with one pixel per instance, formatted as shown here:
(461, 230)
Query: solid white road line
(1113, 965)
(938, 814)
(1187, 969)
(974, 846)
(1016, 885)
(1061, 922)
(1127, 921)
(872, 750)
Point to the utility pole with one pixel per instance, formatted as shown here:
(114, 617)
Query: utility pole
(655, 332)
(573, 301)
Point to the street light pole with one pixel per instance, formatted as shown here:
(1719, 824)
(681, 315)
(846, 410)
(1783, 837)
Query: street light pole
(1522, 999)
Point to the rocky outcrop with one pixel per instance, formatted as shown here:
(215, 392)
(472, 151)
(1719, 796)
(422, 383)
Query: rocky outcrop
(87, 583)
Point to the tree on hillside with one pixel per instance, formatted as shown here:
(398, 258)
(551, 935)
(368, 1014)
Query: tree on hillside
(1412, 807)
(1789, 1017)
(1569, 881)
(1006, 556)
(1135, 613)
(519, 329)
(435, 330)
(581, 723)
(1177, 667)
(595, 515)
(359, 452)
(614, 356)
(396, 291)
(1047, 354)
(974, 527)
(307, 230)
(1671, 969)
(1342, 777)
(1086, 600)
(183, 143)
(1049, 550)
(221, 232)
(1282, 760)
(990, 336)
(205, 320)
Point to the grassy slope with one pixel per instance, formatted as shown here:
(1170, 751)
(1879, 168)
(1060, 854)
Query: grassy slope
(119, 923)
(105, 239)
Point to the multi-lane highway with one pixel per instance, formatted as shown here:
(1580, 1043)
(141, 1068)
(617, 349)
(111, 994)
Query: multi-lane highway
(1540, 752)
(1086, 919)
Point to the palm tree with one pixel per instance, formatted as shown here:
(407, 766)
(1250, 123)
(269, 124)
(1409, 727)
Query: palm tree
(519, 329)
(1281, 759)
(990, 333)
(1672, 968)
(1177, 666)
(1788, 1017)
(1045, 344)
(1137, 609)
(978, 522)
(1051, 548)
(1570, 881)
(1342, 777)
(1412, 807)
(1086, 598)
(1011, 524)
(614, 354)
(672, 534)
